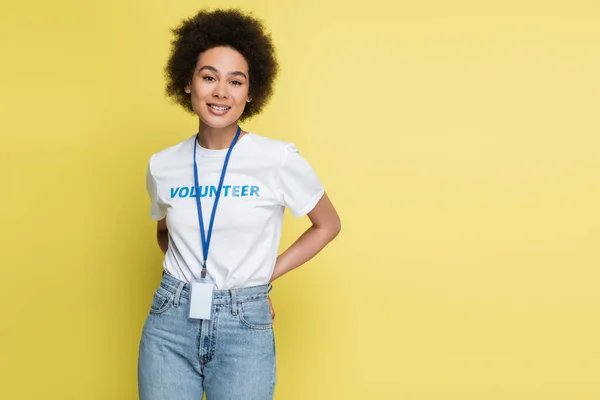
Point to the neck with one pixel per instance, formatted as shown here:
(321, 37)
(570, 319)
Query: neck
(217, 138)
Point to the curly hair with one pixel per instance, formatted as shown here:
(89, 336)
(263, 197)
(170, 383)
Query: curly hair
(231, 28)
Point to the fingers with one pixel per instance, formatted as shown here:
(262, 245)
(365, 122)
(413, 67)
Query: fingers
(271, 308)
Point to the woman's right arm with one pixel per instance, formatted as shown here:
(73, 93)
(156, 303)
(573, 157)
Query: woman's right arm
(162, 234)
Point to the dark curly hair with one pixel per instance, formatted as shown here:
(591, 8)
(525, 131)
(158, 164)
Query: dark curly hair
(231, 28)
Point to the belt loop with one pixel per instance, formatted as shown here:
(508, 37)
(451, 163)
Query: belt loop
(178, 294)
(233, 302)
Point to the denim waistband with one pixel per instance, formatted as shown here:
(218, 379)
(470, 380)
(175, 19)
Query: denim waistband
(227, 296)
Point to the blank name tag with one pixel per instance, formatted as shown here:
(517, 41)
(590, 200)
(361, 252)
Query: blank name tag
(201, 298)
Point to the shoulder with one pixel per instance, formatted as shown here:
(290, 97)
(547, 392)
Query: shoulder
(276, 149)
(167, 156)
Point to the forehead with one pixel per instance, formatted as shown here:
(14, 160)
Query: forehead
(225, 59)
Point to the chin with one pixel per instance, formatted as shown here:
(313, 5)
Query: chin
(217, 124)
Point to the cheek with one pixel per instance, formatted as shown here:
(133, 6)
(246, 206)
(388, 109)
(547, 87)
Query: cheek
(241, 96)
(200, 91)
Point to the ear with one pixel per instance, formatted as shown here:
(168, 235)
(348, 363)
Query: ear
(249, 99)
(188, 87)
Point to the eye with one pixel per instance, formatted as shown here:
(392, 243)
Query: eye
(236, 83)
(208, 78)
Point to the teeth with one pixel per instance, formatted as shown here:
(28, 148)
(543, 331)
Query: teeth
(219, 108)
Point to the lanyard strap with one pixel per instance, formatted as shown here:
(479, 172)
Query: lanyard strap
(206, 237)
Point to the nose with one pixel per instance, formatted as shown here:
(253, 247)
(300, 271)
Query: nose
(220, 90)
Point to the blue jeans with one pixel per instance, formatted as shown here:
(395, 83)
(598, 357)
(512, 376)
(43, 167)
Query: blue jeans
(230, 357)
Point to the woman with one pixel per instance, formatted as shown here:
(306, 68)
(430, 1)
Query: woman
(219, 199)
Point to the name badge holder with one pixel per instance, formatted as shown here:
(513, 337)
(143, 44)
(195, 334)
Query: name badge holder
(202, 290)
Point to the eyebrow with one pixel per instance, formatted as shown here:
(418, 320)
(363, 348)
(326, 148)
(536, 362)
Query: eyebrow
(211, 68)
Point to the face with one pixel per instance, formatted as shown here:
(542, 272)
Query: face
(219, 86)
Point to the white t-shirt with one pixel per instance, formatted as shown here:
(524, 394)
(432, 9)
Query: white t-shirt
(263, 177)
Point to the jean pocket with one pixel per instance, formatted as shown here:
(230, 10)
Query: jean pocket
(161, 301)
(256, 314)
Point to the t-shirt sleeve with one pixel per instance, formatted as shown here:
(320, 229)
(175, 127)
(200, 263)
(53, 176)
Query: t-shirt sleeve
(158, 210)
(299, 185)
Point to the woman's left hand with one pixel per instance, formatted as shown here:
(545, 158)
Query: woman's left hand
(271, 307)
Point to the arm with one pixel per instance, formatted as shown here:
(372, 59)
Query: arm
(325, 227)
(162, 234)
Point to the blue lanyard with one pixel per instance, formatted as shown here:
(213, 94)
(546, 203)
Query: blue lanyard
(206, 237)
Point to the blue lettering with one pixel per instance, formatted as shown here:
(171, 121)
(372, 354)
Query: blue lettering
(211, 191)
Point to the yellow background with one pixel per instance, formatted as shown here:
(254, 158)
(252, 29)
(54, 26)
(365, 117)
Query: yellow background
(458, 140)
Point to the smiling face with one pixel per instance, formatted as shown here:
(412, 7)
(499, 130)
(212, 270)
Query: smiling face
(219, 87)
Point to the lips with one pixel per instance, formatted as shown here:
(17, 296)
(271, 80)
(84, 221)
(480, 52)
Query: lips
(219, 107)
